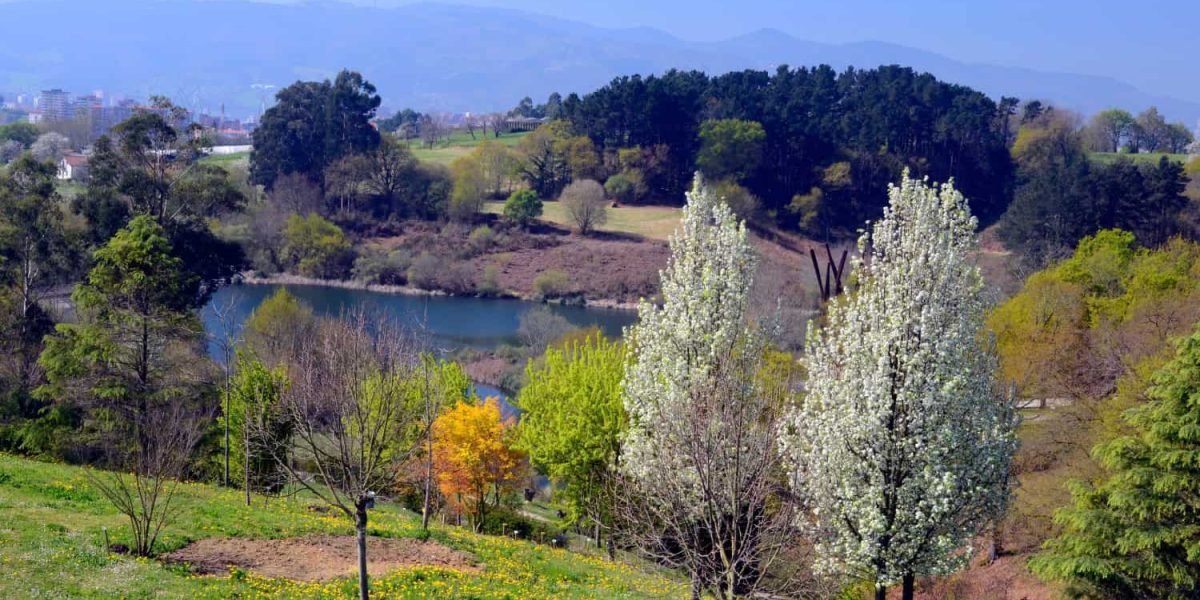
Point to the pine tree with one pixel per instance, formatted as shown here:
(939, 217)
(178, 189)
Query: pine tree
(903, 445)
(1136, 534)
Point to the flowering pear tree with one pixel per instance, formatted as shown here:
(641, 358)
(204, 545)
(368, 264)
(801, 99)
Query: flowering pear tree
(902, 448)
(699, 461)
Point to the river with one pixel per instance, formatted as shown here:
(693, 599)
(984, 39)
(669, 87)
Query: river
(452, 322)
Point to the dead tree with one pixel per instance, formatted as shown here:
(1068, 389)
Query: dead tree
(831, 284)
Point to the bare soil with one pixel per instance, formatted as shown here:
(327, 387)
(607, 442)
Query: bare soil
(1006, 578)
(316, 558)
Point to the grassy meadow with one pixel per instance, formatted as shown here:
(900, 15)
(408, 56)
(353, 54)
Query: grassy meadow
(651, 222)
(1107, 158)
(52, 546)
(460, 143)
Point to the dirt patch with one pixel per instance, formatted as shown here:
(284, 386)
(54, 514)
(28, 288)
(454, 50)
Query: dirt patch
(318, 557)
(1006, 578)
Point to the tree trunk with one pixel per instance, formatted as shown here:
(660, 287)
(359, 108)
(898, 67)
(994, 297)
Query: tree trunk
(907, 589)
(246, 462)
(429, 416)
(696, 588)
(880, 592)
(361, 525)
(428, 490)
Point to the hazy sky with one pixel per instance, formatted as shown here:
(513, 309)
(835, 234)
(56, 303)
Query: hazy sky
(1152, 45)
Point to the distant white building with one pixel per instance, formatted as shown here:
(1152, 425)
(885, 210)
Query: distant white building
(224, 150)
(73, 167)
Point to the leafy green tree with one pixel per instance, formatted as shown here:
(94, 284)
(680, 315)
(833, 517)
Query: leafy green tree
(625, 187)
(1136, 533)
(132, 375)
(572, 417)
(522, 207)
(34, 244)
(312, 125)
(1110, 129)
(35, 251)
(552, 155)
(1156, 217)
(316, 248)
(133, 358)
(1178, 138)
(149, 165)
(1149, 131)
(22, 133)
(274, 329)
(258, 426)
(470, 188)
(1052, 207)
(880, 119)
(429, 390)
(730, 148)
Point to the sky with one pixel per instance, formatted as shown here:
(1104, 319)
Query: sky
(1151, 45)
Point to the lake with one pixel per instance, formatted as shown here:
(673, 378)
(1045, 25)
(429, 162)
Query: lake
(453, 322)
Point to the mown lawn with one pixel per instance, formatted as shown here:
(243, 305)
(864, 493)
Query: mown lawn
(460, 144)
(1106, 158)
(652, 222)
(237, 159)
(52, 532)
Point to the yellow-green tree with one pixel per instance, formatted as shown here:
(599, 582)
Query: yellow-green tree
(274, 330)
(1083, 336)
(571, 420)
(315, 247)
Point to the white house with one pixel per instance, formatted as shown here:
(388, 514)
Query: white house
(73, 167)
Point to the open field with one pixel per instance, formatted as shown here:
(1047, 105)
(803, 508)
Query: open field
(237, 159)
(51, 546)
(651, 222)
(460, 143)
(1106, 158)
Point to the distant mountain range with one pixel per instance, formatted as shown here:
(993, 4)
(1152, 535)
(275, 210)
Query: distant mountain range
(431, 56)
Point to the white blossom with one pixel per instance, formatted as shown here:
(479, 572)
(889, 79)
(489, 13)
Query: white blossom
(676, 347)
(700, 459)
(902, 447)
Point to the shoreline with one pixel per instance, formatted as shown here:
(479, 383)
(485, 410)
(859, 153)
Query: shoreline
(250, 278)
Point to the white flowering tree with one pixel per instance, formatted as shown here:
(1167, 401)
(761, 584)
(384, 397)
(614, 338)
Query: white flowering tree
(901, 450)
(700, 461)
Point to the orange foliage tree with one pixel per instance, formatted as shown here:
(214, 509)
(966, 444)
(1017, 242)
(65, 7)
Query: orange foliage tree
(474, 463)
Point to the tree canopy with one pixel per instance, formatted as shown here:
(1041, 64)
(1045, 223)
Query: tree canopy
(312, 125)
(1136, 533)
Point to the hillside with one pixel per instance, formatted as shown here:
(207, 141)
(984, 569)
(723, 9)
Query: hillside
(52, 546)
(432, 56)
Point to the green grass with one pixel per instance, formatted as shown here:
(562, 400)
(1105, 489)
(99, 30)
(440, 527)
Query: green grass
(460, 143)
(228, 160)
(68, 190)
(653, 222)
(1106, 158)
(51, 546)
